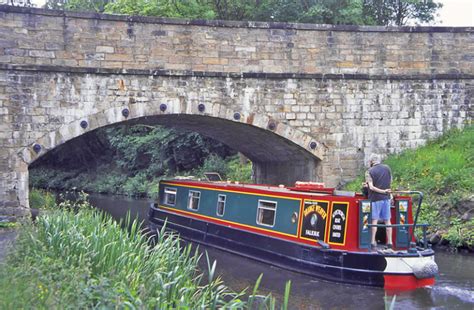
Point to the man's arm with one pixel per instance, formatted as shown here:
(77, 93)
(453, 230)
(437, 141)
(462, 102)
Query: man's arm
(370, 183)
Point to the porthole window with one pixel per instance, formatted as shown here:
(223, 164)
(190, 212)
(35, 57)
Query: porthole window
(193, 200)
(266, 213)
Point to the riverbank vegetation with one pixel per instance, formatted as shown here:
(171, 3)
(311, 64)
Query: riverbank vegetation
(78, 257)
(443, 170)
(42, 199)
(7, 224)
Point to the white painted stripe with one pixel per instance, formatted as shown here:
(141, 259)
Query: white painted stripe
(404, 265)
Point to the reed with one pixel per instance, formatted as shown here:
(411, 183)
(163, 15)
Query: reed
(42, 199)
(82, 258)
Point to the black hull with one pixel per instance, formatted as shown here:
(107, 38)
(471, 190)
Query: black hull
(361, 268)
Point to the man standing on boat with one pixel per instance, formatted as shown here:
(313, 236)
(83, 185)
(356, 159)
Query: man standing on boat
(378, 180)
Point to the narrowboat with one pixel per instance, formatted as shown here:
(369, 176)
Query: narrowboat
(306, 228)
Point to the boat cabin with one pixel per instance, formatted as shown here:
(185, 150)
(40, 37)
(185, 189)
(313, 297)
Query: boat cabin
(307, 213)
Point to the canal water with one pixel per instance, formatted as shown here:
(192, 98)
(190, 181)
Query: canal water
(454, 287)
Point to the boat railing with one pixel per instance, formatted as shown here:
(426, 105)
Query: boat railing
(423, 226)
(413, 226)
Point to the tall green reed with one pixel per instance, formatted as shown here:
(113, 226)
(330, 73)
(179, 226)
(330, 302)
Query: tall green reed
(81, 257)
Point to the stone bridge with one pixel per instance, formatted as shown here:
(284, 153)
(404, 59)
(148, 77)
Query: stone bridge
(303, 102)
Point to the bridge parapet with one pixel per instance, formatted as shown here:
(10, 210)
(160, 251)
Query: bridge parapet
(85, 40)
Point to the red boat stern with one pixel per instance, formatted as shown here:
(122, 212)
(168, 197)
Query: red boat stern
(406, 282)
(409, 272)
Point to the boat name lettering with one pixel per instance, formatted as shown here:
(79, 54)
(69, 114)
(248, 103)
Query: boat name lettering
(315, 208)
(339, 216)
(340, 213)
(313, 233)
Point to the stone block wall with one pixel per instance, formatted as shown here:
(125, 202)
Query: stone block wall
(53, 38)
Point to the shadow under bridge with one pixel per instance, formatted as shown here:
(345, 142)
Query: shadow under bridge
(275, 159)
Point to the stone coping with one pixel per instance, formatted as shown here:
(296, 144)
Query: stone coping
(236, 75)
(229, 24)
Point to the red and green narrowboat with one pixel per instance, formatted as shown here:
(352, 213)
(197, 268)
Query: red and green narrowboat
(307, 228)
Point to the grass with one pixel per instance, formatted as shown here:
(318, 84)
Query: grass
(444, 170)
(78, 257)
(8, 224)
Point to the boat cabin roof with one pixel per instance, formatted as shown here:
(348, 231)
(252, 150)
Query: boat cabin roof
(309, 189)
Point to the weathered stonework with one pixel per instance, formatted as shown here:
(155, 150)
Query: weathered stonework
(307, 102)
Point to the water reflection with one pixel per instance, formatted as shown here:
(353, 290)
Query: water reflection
(118, 206)
(454, 288)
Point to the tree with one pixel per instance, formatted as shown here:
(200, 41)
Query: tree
(355, 12)
(165, 8)
(348, 12)
(399, 12)
(329, 11)
(77, 5)
(26, 3)
(256, 10)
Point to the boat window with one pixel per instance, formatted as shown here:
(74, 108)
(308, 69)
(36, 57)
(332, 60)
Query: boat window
(266, 213)
(193, 200)
(220, 205)
(170, 196)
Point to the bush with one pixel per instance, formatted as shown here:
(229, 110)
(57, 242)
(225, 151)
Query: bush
(137, 185)
(460, 233)
(238, 171)
(214, 163)
(229, 168)
(41, 199)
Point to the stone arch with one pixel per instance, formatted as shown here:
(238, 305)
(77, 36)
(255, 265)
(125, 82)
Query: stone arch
(281, 154)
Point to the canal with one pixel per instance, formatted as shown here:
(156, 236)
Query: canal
(454, 287)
